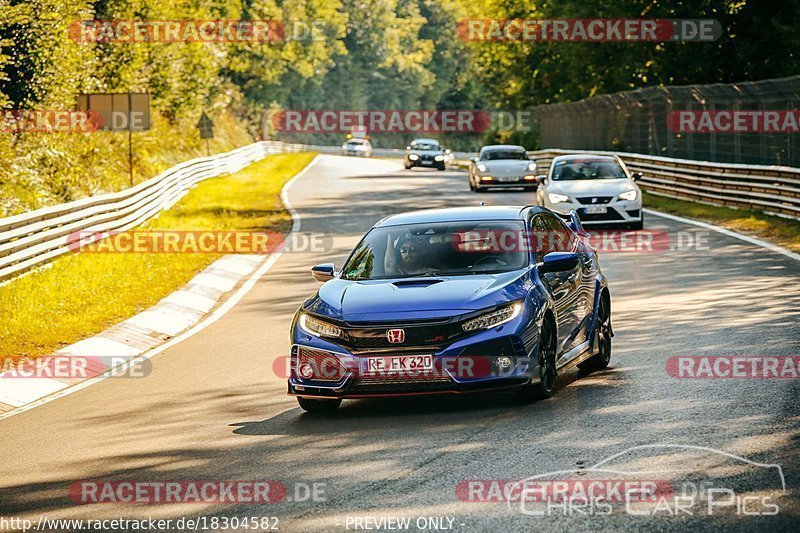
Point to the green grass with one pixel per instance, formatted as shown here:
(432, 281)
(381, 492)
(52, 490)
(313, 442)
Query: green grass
(781, 231)
(81, 294)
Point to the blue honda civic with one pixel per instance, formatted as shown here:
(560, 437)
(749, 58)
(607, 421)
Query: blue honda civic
(453, 301)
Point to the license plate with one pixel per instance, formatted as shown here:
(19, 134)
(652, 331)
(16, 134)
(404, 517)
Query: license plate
(427, 162)
(596, 210)
(398, 363)
(508, 179)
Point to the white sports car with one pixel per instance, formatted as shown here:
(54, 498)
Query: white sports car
(599, 188)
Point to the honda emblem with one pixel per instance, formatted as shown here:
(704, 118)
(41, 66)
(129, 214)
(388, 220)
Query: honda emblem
(396, 336)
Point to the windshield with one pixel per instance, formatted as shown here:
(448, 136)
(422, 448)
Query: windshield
(442, 248)
(357, 142)
(587, 169)
(494, 155)
(425, 146)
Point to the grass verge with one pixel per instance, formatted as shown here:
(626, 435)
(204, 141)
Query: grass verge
(81, 294)
(777, 230)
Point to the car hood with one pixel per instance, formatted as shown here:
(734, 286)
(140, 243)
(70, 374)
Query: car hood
(509, 167)
(611, 187)
(415, 298)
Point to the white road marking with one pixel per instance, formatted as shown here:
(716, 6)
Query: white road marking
(729, 233)
(100, 347)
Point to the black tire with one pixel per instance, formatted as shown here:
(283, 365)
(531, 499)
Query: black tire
(318, 406)
(408, 167)
(603, 334)
(530, 188)
(471, 186)
(442, 167)
(547, 363)
(636, 226)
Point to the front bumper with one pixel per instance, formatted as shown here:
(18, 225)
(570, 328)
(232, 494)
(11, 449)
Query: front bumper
(473, 364)
(506, 181)
(616, 213)
(425, 163)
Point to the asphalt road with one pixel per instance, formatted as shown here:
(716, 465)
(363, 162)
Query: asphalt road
(213, 408)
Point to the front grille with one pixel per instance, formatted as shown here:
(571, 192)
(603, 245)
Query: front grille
(429, 335)
(588, 200)
(610, 215)
(388, 386)
(403, 380)
(326, 365)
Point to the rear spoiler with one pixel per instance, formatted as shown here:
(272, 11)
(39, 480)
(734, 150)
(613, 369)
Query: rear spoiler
(573, 221)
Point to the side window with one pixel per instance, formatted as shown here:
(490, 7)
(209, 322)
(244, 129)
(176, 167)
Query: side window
(539, 236)
(559, 238)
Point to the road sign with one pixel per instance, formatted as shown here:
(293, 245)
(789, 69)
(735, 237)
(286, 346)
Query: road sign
(206, 127)
(118, 112)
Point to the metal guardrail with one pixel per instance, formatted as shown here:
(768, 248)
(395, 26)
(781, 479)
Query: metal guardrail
(34, 238)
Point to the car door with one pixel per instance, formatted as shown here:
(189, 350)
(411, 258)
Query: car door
(552, 236)
(590, 268)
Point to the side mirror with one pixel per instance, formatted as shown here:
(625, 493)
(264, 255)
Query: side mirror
(540, 178)
(637, 176)
(408, 147)
(474, 159)
(558, 262)
(324, 272)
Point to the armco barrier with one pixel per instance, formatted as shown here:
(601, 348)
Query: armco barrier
(36, 237)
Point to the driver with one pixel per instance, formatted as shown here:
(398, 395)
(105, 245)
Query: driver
(413, 259)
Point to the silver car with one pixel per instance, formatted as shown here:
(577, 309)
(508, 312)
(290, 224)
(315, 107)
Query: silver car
(502, 165)
(357, 146)
(599, 188)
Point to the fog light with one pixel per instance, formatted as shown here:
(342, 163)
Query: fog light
(486, 178)
(306, 371)
(504, 362)
(529, 178)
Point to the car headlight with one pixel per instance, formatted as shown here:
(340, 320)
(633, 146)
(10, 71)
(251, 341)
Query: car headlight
(413, 157)
(557, 198)
(481, 167)
(630, 195)
(532, 167)
(439, 158)
(495, 318)
(318, 328)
